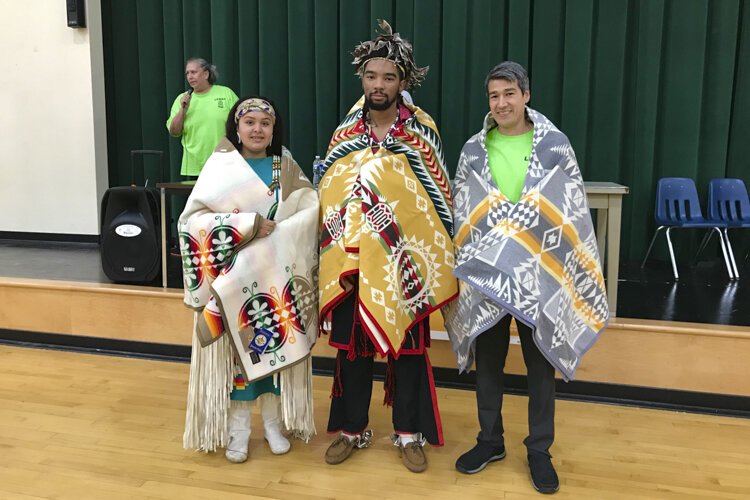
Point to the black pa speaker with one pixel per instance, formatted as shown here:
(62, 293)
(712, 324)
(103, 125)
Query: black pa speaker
(76, 13)
(130, 242)
(130, 237)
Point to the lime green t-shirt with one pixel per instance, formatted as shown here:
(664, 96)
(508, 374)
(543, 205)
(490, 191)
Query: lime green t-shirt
(508, 156)
(204, 125)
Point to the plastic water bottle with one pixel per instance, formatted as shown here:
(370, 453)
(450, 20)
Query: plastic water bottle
(316, 168)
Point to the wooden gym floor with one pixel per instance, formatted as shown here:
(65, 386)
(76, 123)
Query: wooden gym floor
(91, 426)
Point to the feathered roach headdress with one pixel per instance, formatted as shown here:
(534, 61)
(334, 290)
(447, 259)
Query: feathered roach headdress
(389, 45)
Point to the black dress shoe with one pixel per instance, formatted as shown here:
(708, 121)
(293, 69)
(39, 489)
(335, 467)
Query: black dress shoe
(543, 475)
(478, 457)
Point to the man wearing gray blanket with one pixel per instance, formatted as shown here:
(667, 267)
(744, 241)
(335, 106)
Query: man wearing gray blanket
(525, 248)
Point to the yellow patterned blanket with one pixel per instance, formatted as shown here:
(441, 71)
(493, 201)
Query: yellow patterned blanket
(386, 226)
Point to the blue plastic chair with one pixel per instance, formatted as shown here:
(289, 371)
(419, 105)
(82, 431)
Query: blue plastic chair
(678, 207)
(728, 203)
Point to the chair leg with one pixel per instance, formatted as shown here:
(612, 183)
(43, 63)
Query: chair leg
(702, 246)
(671, 254)
(724, 252)
(651, 245)
(731, 253)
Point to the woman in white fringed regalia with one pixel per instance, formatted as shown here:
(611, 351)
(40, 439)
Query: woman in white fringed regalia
(248, 240)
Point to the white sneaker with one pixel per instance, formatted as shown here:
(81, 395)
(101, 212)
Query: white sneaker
(239, 435)
(270, 410)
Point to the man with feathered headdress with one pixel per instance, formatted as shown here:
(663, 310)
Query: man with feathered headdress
(386, 253)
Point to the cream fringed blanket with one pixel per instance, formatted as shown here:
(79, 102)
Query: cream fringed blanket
(255, 298)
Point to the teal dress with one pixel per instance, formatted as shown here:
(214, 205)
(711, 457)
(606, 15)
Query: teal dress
(242, 391)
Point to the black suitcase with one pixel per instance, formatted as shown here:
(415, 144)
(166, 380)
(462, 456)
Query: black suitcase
(130, 237)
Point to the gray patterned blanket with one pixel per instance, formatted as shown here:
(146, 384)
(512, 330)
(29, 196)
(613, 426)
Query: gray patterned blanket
(536, 259)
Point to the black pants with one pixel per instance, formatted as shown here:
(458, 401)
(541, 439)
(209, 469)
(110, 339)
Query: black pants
(413, 390)
(491, 351)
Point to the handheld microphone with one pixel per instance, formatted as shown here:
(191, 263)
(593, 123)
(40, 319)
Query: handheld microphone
(189, 93)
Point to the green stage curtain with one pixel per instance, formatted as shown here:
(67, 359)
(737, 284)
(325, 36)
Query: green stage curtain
(643, 88)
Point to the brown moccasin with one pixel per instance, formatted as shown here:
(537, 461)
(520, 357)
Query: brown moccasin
(340, 450)
(413, 456)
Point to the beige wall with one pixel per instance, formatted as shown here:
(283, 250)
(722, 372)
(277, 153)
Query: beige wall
(53, 168)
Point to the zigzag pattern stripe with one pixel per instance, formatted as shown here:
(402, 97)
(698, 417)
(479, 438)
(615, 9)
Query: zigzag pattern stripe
(342, 134)
(339, 151)
(343, 131)
(432, 138)
(428, 154)
(433, 191)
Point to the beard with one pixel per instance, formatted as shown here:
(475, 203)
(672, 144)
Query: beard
(380, 106)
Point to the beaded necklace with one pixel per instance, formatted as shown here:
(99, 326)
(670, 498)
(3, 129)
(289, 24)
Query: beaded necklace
(274, 188)
(275, 175)
(374, 142)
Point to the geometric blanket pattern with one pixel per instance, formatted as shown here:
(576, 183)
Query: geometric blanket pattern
(386, 227)
(536, 259)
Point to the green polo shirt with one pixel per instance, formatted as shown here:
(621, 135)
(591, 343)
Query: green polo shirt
(508, 156)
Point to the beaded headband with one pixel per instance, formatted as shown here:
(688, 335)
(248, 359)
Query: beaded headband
(399, 66)
(254, 104)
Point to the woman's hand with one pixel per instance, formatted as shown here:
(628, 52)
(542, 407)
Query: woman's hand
(185, 100)
(266, 228)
